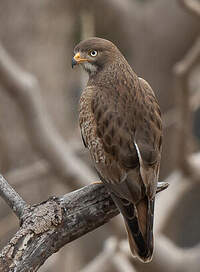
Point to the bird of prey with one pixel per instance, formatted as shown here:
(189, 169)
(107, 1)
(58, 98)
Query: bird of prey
(120, 123)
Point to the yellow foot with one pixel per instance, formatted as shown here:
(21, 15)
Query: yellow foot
(97, 182)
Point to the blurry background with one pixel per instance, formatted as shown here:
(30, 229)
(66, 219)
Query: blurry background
(154, 35)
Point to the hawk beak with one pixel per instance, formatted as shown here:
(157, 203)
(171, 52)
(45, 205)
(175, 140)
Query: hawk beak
(77, 59)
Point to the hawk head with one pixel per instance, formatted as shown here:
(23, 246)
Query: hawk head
(94, 54)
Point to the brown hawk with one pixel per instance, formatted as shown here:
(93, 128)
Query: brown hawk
(121, 125)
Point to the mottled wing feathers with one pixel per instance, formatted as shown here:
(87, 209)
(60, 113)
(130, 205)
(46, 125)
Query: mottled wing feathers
(149, 130)
(88, 126)
(115, 126)
(120, 126)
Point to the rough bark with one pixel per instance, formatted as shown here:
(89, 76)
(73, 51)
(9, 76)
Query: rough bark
(50, 225)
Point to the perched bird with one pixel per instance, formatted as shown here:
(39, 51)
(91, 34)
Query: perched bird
(121, 125)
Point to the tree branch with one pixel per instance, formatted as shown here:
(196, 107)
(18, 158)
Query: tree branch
(48, 226)
(12, 198)
(52, 224)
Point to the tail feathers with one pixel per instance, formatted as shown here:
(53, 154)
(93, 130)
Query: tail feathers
(139, 225)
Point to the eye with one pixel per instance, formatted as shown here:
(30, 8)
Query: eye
(93, 53)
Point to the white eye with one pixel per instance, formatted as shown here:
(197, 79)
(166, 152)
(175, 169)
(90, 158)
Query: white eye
(93, 53)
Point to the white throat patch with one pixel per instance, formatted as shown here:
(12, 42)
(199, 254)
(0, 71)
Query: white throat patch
(91, 68)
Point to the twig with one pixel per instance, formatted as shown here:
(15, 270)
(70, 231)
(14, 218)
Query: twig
(25, 89)
(12, 198)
